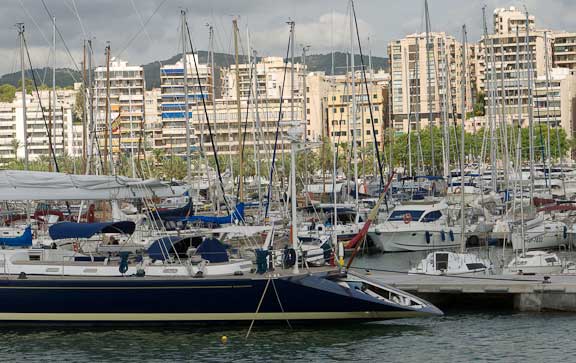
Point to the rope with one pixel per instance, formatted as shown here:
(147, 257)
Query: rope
(258, 307)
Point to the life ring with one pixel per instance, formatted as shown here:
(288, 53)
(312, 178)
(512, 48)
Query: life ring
(407, 218)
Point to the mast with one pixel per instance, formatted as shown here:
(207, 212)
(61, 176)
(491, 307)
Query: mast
(304, 117)
(239, 111)
(53, 113)
(84, 143)
(504, 133)
(530, 113)
(23, 79)
(91, 126)
(213, 81)
(492, 106)
(354, 118)
(256, 128)
(294, 224)
(108, 123)
(549, 153)
(186, 106)
(429, 87)
(462, 138)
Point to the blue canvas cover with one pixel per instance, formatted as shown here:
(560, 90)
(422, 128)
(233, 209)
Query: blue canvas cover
(64, 230)
(213, 250)
(163, 247)
(25, 240)
(237, 215)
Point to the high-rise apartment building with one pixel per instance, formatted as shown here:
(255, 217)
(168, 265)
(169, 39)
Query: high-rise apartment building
(125, 105)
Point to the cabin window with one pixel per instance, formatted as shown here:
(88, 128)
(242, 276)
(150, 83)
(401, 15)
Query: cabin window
(475, 266)
(399, 215)
(432, 216)
(550, 259)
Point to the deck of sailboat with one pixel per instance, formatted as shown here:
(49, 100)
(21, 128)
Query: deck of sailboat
(245, 276)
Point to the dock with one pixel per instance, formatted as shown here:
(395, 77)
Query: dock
(527, 293)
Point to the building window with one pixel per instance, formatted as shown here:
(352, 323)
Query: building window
(335, 110)
(375, 120)
(341, 109)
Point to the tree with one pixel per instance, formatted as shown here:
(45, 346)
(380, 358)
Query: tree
(480, 105)
(7, 93)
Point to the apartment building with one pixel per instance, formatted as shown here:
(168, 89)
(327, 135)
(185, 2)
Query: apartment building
(428, 83)
(125, 104)
(172, 103)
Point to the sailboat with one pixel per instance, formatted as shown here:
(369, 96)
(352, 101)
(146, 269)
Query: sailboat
(447, 262)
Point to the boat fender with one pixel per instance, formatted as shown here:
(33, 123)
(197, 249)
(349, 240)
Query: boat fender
(289, 257)
(451, 234)
(428, 237)
(443, 235)
(565, 234)
(123, 263)
(75, 246)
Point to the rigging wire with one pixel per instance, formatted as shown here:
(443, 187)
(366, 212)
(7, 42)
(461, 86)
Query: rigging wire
(273, 164)
(368, 97)
(141, 28)
(207, 118)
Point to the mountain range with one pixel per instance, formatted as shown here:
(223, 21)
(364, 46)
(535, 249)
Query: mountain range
(65, 77)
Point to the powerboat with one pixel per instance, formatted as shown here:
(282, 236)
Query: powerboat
(452, 263)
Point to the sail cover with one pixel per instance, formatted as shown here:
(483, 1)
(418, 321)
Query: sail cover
(65, 230)
(37, 185)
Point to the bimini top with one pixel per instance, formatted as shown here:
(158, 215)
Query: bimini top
(64, 230)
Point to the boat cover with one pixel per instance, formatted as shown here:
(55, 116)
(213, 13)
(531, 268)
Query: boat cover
(39, 185)
(237, 215)
(64, 230)
(163, 247)
(211, 249)
(24, 240)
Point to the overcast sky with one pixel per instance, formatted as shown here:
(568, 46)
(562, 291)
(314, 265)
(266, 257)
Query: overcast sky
(319, 23)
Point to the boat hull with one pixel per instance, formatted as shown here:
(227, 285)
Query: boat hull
(149, 300)
(414, 239)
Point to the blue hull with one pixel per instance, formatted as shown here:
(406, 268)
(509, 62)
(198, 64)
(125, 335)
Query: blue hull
(133, 299)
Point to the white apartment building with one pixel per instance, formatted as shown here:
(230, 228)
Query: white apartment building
(506, 20)
(66, 136)
(564, 52)
(420, 81)
(554, 100)
(172, 103)
(270, 75)
(126, 104)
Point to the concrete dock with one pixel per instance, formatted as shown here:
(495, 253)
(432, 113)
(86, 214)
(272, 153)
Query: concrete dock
(520, 293)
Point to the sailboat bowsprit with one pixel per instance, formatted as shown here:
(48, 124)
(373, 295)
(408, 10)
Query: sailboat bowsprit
(305, 297)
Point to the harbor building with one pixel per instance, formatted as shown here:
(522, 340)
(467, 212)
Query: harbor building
(172, 104)
(125, 106)
(424, 84)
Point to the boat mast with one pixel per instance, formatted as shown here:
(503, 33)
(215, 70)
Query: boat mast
(239, 111)
(549, 153)
(84, 131)
(462, 140)
(53, 113)
(429, 87)
(354, 118)
(186, 106)
(293, 144)
(23, 79)
(530, 113)
(492, 106)
(91, 126)
(304, 118)
(213, 82)
(107, 112)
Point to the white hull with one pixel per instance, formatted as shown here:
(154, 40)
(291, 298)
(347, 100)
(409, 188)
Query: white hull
(412, 237)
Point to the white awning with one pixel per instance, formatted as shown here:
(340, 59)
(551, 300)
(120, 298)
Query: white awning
(37, 185)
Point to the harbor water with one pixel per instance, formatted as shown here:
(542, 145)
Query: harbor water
(459, 336)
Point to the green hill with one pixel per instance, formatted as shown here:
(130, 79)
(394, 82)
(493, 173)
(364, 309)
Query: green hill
(66, 77)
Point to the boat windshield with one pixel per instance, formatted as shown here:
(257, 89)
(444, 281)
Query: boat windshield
(398, 215)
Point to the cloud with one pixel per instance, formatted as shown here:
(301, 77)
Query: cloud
(118, 21)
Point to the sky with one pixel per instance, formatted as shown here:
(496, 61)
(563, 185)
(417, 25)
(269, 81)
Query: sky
(142, 31)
